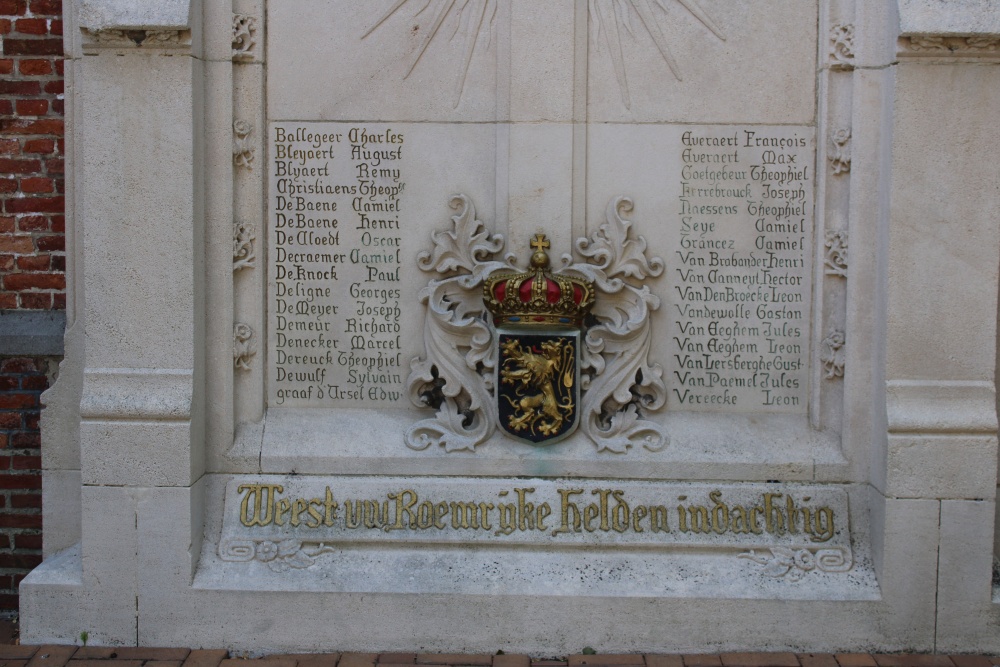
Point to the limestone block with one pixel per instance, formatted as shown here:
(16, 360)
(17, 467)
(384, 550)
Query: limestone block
(959, 17)
(923, 466)
(406, 56)
(967, 615)
(134, 14)
(138, 209)
(903, 535)
(138, 453)
(732, 62)
(944, 240)
(540, 186)
(61, 514)
(541, 75)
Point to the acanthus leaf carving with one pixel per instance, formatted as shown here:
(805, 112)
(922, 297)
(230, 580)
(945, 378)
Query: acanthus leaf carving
(243, 150)
(244, 36)
(835, 261)
(842, 46)
(244, 242)
(833, 355)
(455, 376)
(244, 345)
(971, 46)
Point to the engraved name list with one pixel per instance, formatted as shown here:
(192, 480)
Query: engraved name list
(337, 198)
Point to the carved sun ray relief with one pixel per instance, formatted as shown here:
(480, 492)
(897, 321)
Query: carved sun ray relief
(466, 359)
(475, 20)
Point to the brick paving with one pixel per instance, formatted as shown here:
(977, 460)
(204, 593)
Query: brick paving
(14, 655)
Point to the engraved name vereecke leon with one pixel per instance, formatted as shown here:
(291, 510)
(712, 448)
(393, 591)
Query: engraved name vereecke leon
(318, 513)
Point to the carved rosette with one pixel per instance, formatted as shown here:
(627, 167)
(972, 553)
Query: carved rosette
(835, 262)
(793, 563)
(832, 354)
(244, 239)
(244, 36)
(243, 150)
(842, 46)
(455, 377)
(244, 345)
(840, 151)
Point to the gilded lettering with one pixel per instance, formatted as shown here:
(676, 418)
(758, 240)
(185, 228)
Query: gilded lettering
(262, 496)
(315, 518)
(484, 515)
(376, 514)
(823, 525)
(570, 513)
(525, 511)
(699, 519)
(740, 521)
(425, 515)
(353, 514)
(620, 513)
(720, 512)
(754, 523)
(299, 506)
(638, 514)
(590, 512)
(774, 519)
(464, 515)
(403, 508)
(441, 511)
(544, 510)
(330, 508)
(603, 493)
(658, 519)
(792, 514)
(508, 518)
(281, 508)
(682, 523)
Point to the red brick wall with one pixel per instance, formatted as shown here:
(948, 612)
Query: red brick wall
(32, 259)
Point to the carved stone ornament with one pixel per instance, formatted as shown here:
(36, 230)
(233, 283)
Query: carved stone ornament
(280, 556)
(243, 151)
(842, 46)
(457, 375)
(244, 239)
(832, 354)
(840, 151)
(244, 345)
(135, 38)
(969, 46)
(794, 563)
(836, 253)
(244, 36)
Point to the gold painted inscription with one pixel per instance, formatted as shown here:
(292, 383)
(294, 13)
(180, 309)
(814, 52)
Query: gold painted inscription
(576, 510)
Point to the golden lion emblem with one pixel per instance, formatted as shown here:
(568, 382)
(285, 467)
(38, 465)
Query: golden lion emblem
(542, 380)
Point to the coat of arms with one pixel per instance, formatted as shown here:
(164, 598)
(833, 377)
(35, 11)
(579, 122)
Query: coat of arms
(537, 352)
(538, 315)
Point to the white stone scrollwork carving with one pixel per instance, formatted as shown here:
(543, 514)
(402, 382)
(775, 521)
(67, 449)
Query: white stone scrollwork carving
(244, 240)
(836, 253)
(840, 151)
(832, 354)
(842, 46)
(958, 45)
(244, 345)
(280, 556)
(134, 38)
(456, 374)
(243, 150)
(795, 562)
(244, 36)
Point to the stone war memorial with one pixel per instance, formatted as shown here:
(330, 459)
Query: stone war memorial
(479, 325)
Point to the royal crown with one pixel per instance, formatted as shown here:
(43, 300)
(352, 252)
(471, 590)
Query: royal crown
(537, 296)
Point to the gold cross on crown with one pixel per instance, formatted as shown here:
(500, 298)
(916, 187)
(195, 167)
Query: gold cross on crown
(540, 242)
